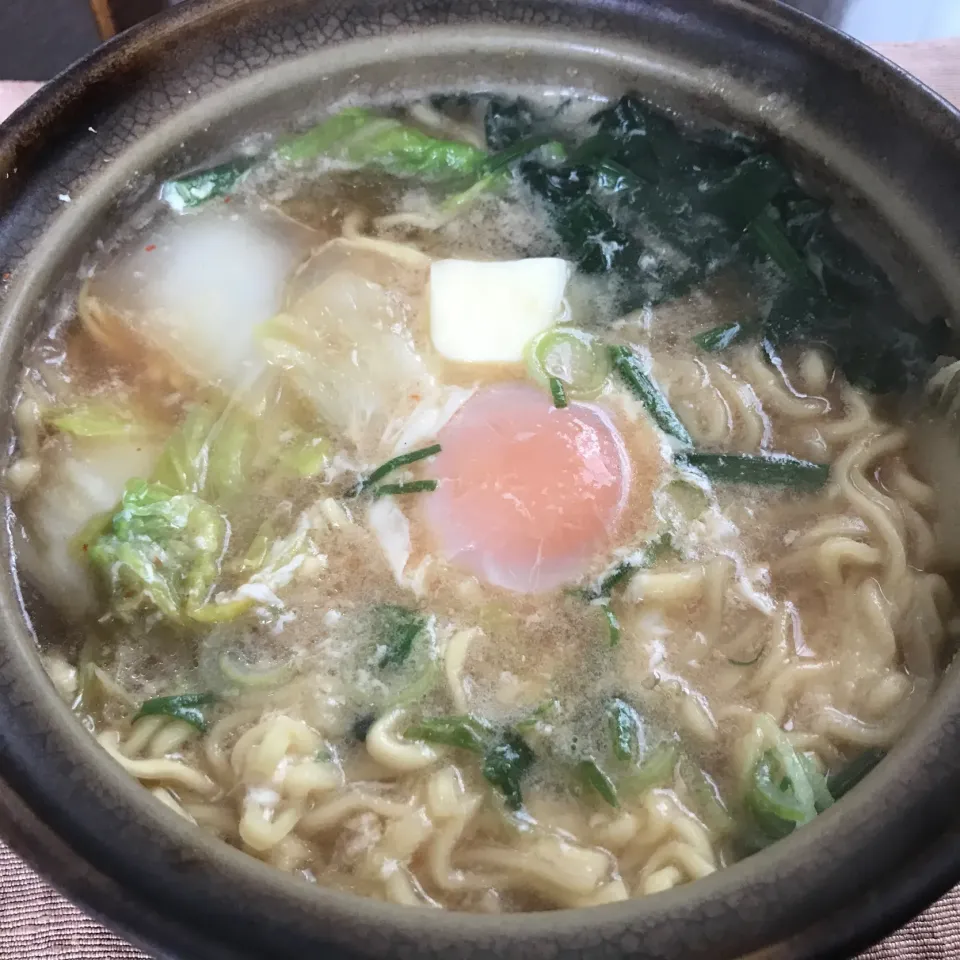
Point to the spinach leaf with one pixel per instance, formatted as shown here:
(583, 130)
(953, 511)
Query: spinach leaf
(395, 629)
(160, 553)
(506, 122)
(588, 231)
(505, 764)
(188, 707)
(465, 732)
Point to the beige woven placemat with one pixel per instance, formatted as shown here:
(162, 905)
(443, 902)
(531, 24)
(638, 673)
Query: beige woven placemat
(36, 923)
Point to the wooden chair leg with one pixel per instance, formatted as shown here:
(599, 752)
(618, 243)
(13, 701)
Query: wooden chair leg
(112, 16)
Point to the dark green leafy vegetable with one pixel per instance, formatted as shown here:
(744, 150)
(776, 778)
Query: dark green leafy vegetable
(773, 469)
(719, 338)
(188, 707)
(399, 489)
(506, 122)
(505, 764)
(774, 242)
(557, 392)
(593, 777)
(197, 188)
(465, 732)
(360, 136)
(161, 552)
(588, 231)
(844, 780)
(628, 365)
(395, 629)
(625, 729)
(403, 460)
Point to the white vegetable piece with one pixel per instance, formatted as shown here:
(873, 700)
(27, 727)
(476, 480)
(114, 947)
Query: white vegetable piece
(82, 477)
(193, 291)
(486, 312)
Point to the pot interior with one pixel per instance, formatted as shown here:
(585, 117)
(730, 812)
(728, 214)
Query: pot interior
(765, 75)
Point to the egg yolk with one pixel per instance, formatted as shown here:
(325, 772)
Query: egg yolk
(527, 493)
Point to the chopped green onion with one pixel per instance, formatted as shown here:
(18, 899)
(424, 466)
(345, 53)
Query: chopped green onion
(399, 489)
(656, 770)
(846, 778)
(719, 338)
(590, 773)
(690, 499)
(539, 715)
(570, 356)
(188, 707)
(770, 469)
(625, 729)
(464, 732)
(403, 460)
(556, 391)
(631, 371)
(505, 764)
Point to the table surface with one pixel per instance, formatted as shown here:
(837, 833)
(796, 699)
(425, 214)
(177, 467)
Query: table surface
(36, 923)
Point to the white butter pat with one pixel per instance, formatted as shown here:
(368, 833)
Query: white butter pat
(486, 312)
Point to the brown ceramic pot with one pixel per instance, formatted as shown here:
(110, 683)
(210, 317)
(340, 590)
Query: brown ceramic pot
(174, 90)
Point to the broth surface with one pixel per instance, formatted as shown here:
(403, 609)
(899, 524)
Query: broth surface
(558, 630)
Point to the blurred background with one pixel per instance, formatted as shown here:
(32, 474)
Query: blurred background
(38, 40)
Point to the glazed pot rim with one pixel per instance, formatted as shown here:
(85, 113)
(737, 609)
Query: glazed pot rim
(920, 758)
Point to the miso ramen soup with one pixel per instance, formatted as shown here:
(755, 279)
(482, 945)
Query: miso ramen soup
(491, 503)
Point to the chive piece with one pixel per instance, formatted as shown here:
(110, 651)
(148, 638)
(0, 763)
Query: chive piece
(498, 161)
(631, 370)
(403, 460)
(465, 732)
(557, 392)
(505, 764)
(187, 707)
(846, 778)
(399, 489)
(590, 773)
(772, 239)
(645, 557)
(752, 660)
(767, 470)
(613, 626)
(719, 338)
(625, 728)
(395, 629)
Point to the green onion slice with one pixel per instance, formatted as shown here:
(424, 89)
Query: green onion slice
(571, 357)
